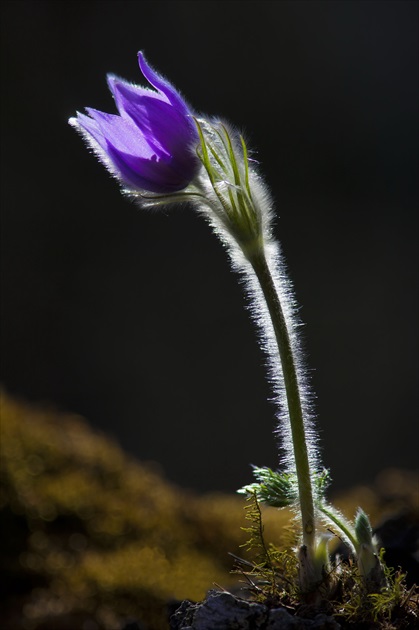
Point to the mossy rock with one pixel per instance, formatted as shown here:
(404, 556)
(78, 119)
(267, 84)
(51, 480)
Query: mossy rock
(92, 538)
(90, 533)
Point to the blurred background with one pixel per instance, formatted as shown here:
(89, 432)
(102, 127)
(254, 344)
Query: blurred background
(134, 320)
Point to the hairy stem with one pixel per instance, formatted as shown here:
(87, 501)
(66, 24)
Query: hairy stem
(263, 273)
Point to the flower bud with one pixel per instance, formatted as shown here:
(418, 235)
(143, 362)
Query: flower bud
(151, 145)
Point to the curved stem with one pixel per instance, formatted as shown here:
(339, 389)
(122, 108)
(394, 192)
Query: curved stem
(260, 266)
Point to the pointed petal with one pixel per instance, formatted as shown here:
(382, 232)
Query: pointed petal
(161, 84)
(153, 175)
(124, 92)
(121, 133)
(164, 127)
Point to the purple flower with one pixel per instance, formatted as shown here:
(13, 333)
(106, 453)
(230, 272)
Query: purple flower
(151, 144)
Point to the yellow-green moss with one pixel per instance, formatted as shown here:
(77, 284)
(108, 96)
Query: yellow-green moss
(102, 532)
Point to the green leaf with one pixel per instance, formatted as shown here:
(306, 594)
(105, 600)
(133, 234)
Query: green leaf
(273, 488)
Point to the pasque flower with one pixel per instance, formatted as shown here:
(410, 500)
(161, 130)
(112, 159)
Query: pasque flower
(151, 145)
(163, 154)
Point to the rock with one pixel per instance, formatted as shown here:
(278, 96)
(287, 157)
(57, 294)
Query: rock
(222, 611)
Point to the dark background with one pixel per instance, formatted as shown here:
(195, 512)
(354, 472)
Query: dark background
(134, 319)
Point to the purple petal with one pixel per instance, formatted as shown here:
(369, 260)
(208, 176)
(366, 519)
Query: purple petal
(127, 154)
(122, 133)
(164, 126)
(161, 84)
(153, 175)
(94, 137)
(124, 91)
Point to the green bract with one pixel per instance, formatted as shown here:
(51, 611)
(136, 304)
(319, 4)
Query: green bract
(227, 168)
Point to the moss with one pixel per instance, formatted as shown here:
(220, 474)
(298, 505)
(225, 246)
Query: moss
(92, 533)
